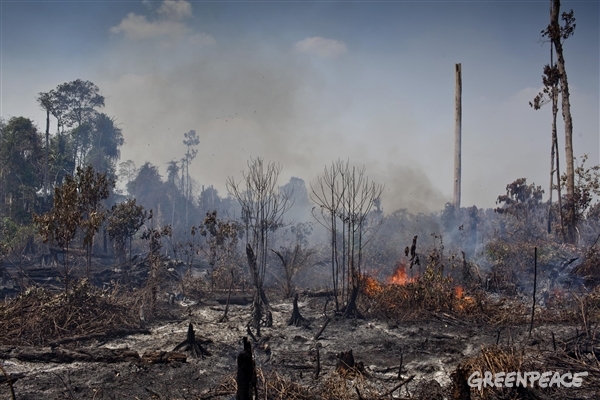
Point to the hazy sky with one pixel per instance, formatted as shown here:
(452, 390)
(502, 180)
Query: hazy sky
(304, 83)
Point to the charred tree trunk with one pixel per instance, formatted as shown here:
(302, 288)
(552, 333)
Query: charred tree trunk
(296, 319)
(260, 298)
(246, 373)
(345, 361)
(192, 345)
(224, 317)
(318, 335)
(460, 384)
(351, 309)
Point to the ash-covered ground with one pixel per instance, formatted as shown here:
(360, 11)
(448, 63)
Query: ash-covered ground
(427, 350)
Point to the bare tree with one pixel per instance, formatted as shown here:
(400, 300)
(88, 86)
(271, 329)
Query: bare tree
(191, 139)
(550, 79)
(327, 197)
(346, 198)
(557, 35)
(295, 255)
(263, 205)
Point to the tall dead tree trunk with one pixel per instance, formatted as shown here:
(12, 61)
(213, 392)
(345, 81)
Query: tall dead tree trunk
(555, 153)
(557, 34)
(457, 135)
(46, 156)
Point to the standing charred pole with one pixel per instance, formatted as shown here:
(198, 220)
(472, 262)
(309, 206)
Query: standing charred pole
(457, 134)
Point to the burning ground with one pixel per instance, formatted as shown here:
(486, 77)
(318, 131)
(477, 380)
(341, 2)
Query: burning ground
(422, 337)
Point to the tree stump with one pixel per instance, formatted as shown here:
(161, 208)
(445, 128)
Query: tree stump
(296, 319)
(351, 309)
(347, 365)
(192, 345)
(345, 361)
(246, 373)
(460, 385)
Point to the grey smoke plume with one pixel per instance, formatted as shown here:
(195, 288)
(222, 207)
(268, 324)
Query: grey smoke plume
(247, 104)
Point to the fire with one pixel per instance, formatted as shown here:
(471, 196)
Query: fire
(371, 286)
(459, 292)
(400, 277)
(463, 302)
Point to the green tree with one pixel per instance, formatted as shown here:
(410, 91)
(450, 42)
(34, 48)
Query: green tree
(157, 270)
(127, 171)
(93, 188)
(147, 187)
(173, 173)
(587, 188)
(61, 162)
(76, 103)
(20, 168)
(46, 102)
(124, 220)
(79, 100)
(105, 147)
(521, 202)
(221, 243)
(59, 225)
(77, 205)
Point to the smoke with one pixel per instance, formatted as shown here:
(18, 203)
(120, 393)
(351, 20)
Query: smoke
(406, 187)
(301, 103)
(243, 105)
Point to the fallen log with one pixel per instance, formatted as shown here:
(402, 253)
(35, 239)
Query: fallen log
(297, 366)
(120, 332)
(11, 377)
(398, 386)
(58, 355)
(237, 300)
(320, 293)
(322, 328)
(163, 357)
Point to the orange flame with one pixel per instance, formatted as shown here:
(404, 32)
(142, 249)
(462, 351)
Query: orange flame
(459, 292)
(400, 277)
(463, 301)
(371, 286)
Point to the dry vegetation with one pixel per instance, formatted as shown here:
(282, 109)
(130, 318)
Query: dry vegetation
(39, 316)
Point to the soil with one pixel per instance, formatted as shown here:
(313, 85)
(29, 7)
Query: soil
(429, 350)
